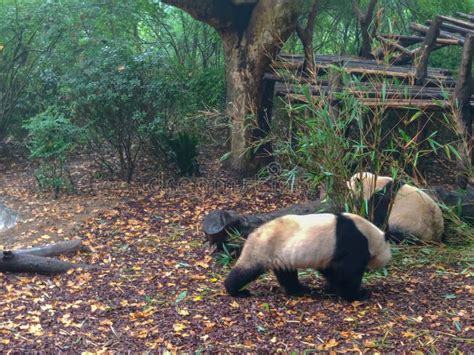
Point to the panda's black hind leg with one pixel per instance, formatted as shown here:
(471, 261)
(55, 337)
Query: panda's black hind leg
(351, 256)
(289, 281)
(239, 277)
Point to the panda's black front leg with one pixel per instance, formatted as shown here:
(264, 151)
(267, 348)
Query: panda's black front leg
(350, 290)
(289, 281)
(239, 277)
(346, 283)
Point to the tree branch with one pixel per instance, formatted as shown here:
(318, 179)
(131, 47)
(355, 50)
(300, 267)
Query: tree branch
(312, 16)
(306, 37)
(283, 23)
(216, 13)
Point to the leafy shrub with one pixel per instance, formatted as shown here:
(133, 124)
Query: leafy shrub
(184, 152)
(112, 99)
(51, 138)
(179, 148)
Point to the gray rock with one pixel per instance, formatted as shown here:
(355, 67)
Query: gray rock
(8, 218)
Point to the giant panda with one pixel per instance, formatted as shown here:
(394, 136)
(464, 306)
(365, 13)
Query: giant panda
(339, 246)
(413, 215)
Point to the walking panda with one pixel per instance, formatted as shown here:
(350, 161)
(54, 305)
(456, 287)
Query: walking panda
(339, 246)
(414, 215)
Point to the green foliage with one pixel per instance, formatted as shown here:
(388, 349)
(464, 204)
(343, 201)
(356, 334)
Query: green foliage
(184, 152)
(208, 88)
(51, 139)
(114, 67)
(330, 144)
(177, 147)
(25, 38)
(231, 249)
(112, 99)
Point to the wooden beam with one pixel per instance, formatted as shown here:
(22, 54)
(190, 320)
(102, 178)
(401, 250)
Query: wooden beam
(462, 95)
(466, 16)
(243, 2)
(454, 29)
(443, 34)
(458, 22)
(405, 40)
(427, 47)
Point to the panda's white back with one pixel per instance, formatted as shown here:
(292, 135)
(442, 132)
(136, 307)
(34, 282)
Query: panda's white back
(415, 212)
(312, 246)
(294, 242)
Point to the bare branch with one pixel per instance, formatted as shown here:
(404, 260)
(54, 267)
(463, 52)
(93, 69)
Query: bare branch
(305, 34)
(312, 16)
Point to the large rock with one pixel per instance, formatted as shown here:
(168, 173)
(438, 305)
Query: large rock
(8, 218)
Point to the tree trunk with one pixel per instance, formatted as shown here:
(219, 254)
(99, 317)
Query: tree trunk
(244, 78)
(252, 33)
(365, 20)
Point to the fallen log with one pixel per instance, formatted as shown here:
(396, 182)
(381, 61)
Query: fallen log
(218, 224)
(60, 248)
(12, 262)
(38, 259)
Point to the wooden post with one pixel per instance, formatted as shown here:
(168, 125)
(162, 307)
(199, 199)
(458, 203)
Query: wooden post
(426, 48)
(462, 97)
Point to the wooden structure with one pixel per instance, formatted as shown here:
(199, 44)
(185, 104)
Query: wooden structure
(417, 86)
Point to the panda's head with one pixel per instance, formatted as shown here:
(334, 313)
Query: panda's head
(367, 183)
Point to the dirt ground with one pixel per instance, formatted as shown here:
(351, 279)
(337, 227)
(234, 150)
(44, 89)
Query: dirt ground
(157, 288)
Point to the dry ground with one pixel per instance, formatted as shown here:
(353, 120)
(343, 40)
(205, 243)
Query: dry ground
(157, 288)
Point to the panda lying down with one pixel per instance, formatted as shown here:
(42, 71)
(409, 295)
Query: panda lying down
(339, 246)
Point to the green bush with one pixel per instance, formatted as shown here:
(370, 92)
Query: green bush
(113, 98)
(179, 148)
(184, 152)
(51, 139)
